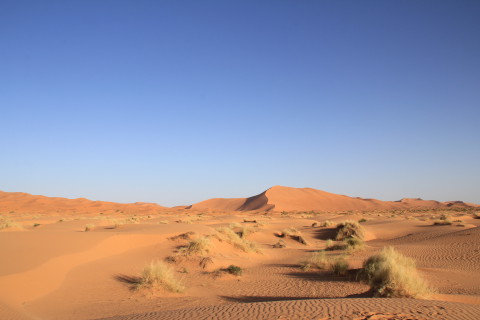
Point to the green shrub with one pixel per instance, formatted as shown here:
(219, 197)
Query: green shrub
(235, 270)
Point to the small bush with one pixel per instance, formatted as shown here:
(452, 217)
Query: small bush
(36, 225)
(235, 270)
(339, 267)
(158, 274)
(89, 227)
(362, 220)
(391, 274)
(349, 229)
(183, 236)
(476, 215)
(353, 244)
(315, 224)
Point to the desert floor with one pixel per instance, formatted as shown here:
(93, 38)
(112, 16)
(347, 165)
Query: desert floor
(51, 268)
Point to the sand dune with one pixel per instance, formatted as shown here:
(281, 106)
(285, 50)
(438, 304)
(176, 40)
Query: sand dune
(19, 202)
(280, 198)
(53, 269)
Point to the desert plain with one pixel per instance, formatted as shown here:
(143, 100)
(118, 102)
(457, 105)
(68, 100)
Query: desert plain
(276, 255)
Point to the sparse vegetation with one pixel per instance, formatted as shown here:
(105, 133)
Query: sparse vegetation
(158, 274)
(349, 229)
(230, 236)
(36, 225)
(316, 259)
(391, 274)
(7, 223)
(362, 220)
(89, 227)
(183, 236)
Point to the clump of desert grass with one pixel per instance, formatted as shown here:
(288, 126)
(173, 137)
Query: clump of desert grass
(327, 224)
(443, 220)
(315, 260)
(238, 240)
(294, 234)
(159, 275)
(391, 274)
(89, 227)
(339, 266)
(163, 222)
(476, 215)
(198, 246)
(349, 229)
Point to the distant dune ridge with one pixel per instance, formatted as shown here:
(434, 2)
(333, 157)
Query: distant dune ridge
(26, 203)
(280, 198)
(276, 198)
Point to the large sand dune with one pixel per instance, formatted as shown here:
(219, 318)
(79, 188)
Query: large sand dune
(280, 198)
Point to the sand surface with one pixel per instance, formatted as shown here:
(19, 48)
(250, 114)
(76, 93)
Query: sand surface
(53, 269)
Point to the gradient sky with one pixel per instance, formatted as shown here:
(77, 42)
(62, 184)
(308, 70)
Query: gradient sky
(176, 102)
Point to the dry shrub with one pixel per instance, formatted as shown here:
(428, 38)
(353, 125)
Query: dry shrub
(339, 266)
(295, 235)
(205, 262)
(230, 236)
(183, 236)
(158, 274)
(442, 223)
(327, 224)
(349, 229)
(316, 259)
(89, 227)
(391, 274)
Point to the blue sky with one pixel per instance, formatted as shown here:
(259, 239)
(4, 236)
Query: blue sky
(176, 102)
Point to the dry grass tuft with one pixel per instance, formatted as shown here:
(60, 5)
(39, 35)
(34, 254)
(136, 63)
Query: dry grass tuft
(158, 274)
(316, 259)
(183, 236)
(339, 266)
(327, 224)
(89, 227)
(195, 247)
(349, 229)
(391, 274)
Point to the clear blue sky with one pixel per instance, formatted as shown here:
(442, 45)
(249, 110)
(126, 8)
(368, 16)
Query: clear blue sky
(175, 102)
